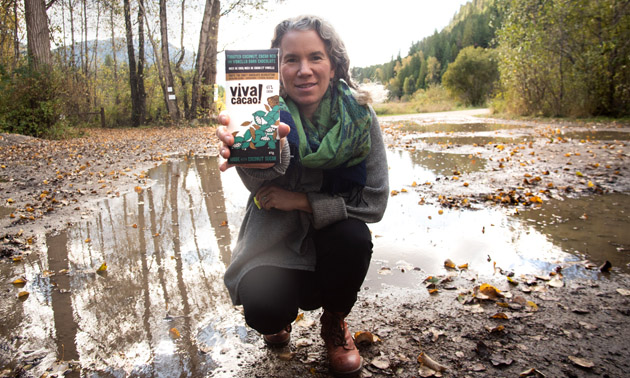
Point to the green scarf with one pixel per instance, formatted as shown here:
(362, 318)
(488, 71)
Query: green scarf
(339, 136)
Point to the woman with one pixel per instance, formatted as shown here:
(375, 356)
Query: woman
(309, 245)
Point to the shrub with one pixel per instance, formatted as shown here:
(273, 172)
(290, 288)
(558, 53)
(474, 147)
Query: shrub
(31, 103)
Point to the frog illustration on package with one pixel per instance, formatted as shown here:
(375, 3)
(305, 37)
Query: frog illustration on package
(252, 101)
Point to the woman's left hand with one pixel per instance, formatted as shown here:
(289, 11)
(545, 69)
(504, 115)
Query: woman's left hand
(275, 197)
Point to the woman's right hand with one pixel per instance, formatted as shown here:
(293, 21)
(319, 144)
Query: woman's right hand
(227, 140)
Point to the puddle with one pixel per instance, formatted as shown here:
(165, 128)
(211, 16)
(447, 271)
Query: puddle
(457, 127)
(161, 309)
(594, 226)
(600, 135)
(6, 211)
(470, 140)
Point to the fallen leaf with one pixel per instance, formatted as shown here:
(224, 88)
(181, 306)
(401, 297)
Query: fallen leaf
(430, 363)
(624, 292)
(463, 266)
(224, 223)
(605, 267)
(531, 373)
(425, 372)
(581, 362)
(286, 355)
(449, 264)
(19, 282)
(500, 315)
(174, 333)
(102, 268)
(365, 337)
(381, 362)
(22, 295)
(138, 189)
(490, 291)
(532, 305)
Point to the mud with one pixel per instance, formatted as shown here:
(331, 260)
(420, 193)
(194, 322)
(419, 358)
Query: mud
(532, 208)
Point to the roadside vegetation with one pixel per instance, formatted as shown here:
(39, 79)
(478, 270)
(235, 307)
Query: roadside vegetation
(557, 58)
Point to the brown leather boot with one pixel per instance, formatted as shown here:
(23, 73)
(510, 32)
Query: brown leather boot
(279, 339)
(343, 355)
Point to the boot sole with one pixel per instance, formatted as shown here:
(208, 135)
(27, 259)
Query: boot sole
(347, 374)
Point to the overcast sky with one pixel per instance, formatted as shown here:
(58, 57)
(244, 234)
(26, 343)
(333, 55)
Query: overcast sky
(374, 31)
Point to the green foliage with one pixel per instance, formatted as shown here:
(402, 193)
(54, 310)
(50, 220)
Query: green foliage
(472, 76)
(31, 102)
(433, 99)
(474, 25)
(565, 57)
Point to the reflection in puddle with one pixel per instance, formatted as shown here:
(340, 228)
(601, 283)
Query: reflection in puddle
(596, 226)
(478, 140)
(161, 309)
(597, 135)
(458, 127)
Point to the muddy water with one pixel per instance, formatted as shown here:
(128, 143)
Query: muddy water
(160, 307)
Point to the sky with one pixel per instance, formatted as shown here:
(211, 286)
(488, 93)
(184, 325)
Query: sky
(373, 31)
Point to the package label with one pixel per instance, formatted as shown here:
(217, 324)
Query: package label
(252, 102)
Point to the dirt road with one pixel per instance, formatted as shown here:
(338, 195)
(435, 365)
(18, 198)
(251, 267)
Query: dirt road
(545, 325)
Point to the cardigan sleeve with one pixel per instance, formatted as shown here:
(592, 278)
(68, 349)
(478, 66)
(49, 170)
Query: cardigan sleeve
(253, 178)
(329, 209)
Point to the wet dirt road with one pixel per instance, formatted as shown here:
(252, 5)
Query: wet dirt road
(160, 308)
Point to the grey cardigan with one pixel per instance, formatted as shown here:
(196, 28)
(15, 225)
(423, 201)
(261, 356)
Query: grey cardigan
(280, 238)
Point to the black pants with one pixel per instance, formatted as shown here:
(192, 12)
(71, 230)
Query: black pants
(271, 296)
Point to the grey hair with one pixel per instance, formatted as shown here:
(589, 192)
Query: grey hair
(335, 48)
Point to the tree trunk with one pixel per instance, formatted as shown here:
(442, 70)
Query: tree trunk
(205, 43)
(114, 51)
(72, 42)
(86, 57)
(178, 65)
(38, 35)
(133, 78)
(142, 94)
(210, 64)
(16, 43)
(169, 87)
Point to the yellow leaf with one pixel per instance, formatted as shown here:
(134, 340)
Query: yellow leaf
(463, 266)
(590, 184)
(449, 264)
(175, 333)
(88, 240)
(19, 282)
(500, 315)
(134, 225)
(299, 317)
(441, 212)
(579, 174)
(102, 268)
(394, 193)
(224, 223)
(533, 305)
(22, 295)
(365, 337)
(138, 189)
(490, 291)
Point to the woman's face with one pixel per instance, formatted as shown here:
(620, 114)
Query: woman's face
(305, 69)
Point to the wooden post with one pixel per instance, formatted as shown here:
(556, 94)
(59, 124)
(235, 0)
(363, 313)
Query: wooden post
(102, 117)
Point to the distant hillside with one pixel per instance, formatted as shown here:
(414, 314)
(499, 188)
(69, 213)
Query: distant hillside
(475, 24)
(105, 50)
